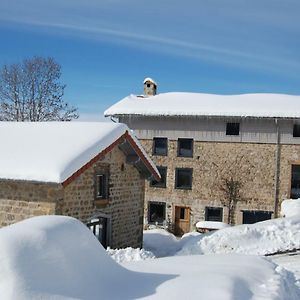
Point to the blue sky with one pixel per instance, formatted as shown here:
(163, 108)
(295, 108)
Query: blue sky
(107, 47)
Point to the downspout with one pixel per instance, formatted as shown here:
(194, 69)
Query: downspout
(277, 169)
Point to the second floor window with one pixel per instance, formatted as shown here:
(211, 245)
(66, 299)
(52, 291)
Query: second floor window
(183, 178)
(232, 128)
(185, 147)
(160, 146)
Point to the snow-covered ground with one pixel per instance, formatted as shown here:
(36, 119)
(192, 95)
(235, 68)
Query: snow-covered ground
(56, 257)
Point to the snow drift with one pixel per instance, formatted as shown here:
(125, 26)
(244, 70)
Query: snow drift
(290, 208)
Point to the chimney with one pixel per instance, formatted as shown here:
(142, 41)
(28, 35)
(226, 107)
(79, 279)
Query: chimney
(149, 87)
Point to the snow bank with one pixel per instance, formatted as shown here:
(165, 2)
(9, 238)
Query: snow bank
(262, 238)
(129, 254)
(197, 104)
(223, 277)
(55, 257)
(290, 208)
(211, 225)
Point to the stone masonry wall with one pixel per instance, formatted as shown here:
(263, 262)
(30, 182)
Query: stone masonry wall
(251, 164)
(126, 199)
(20, 200)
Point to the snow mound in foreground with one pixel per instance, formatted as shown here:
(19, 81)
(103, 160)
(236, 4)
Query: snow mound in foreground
(129, 254)
(223, 277)
(290, 208)
(262, 238)
(56, 257)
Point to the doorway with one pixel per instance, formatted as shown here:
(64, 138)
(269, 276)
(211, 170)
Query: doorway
(182, 220)
(99, 227)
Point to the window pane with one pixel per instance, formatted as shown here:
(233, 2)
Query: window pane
(296, 130)
(162, 182)
(182, 213)
(214, 214)
(185, 147)
(295, 184)
(250, 217)
(100, 186)
(184, 178)
(157, 212)
(160, 146)
(232, 128)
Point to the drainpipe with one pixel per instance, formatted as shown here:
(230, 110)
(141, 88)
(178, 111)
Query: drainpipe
(277, 169)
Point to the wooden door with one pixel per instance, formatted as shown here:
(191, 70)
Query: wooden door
(182, 220)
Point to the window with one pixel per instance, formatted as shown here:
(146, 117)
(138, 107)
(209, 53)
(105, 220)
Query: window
(156, 212)
(295, 184)
(253, 216)
(296, 130)
(183, 178)
(99, 228)
(232, 128)
(160, 146)
(214, 214)
(101, 186)
(163, 180)
(185, 147)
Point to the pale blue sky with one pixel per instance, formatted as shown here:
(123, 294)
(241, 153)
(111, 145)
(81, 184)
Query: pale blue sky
(107, 47)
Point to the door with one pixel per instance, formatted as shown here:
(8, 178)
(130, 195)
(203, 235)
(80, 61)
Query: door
(99, 228)
(182, 220)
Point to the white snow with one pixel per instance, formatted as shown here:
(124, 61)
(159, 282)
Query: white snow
(211, 225)
(149, 79)
(129, 254)
(290, 208)
(53, 151)
(56, 257)
(197, 104)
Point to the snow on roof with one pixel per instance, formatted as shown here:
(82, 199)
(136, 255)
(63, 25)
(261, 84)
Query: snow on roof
(196, 104)
(53, 151)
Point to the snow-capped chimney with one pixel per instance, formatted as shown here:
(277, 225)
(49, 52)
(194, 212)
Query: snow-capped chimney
(149, 87)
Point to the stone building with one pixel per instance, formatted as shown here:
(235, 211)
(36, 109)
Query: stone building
(201, 141)
(94, 172)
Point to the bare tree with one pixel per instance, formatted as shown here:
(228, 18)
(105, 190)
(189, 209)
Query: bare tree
(231, 190)
(32, 91)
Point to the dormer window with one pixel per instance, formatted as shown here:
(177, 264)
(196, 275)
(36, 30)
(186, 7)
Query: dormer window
(296, 130)
(232, 128)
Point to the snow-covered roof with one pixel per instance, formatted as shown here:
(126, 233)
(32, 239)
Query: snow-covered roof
(196, 104)
(54, 151)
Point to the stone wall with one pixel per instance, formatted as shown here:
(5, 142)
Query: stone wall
(253, 165)
(125, 204)
(20, 200)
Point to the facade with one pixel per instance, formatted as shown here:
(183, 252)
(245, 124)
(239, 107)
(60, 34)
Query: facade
(200, 141)
(106, 192)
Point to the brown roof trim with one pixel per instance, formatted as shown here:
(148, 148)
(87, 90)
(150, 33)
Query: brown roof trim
(125, 136)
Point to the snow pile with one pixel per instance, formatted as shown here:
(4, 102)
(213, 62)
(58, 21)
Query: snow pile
(56, 257)
(290, 208)
(129, 254)
(223, 277)
(211, 225)
(53, 151)
(262, 238)
(197, 104)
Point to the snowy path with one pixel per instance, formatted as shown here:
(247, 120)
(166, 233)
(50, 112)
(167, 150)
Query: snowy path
(290, 262)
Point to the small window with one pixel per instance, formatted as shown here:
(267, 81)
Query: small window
(157, 212)
(101, 185)
(183, 178)
(163, 180)
(185, 147)
(160, 146)
(254, 216)
(214, 214)
(295, 184)
(232, 128)
(296, 130)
